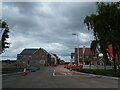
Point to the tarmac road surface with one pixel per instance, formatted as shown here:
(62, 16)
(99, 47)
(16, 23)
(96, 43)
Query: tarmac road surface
(57, 77)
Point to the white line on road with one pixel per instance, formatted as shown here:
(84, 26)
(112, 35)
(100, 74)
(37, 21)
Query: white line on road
(54, 73)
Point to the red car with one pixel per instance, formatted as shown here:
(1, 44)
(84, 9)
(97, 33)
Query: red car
(68, 66)
(65, 65)
(77, 67)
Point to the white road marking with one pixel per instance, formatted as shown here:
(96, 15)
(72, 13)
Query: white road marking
(53, 73)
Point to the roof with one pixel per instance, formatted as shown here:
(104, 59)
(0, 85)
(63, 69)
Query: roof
(44, 51)
(28, 51)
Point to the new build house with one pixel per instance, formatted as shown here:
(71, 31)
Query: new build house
(85, 56)
(35, 58)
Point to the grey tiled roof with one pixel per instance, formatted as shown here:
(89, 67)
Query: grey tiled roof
(28, 51)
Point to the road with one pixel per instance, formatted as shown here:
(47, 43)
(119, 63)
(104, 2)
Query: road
(57, 77)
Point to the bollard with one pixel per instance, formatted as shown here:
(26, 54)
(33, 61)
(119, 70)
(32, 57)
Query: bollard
(24, 72)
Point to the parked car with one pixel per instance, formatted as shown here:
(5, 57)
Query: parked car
(77, 67)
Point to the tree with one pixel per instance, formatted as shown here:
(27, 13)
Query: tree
(93, 46)
(105, 24)
(3, 43)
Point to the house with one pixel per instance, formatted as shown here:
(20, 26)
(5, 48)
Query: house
(33, 57)
(85, 56)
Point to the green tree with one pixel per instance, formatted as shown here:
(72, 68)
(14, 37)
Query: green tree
(3, 43)
(105, 24)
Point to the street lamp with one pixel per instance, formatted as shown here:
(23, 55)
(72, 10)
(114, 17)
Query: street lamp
(83, 55)
(78, 46)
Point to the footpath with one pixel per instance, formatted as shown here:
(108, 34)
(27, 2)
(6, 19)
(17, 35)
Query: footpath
(61, 71)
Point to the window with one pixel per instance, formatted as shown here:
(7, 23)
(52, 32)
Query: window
(94, 56)
(80, 56)
(87, 56)
(28, 62)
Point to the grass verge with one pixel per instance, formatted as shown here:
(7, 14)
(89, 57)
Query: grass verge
(106, 72)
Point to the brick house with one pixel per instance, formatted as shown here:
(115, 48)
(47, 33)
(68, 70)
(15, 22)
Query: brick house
(33, 58)
(87, 57)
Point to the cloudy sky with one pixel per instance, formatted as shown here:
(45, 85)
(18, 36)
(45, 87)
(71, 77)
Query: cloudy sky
(48, 25)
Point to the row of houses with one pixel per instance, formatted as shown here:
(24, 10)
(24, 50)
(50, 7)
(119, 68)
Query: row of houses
(33, 57)
(86, 57)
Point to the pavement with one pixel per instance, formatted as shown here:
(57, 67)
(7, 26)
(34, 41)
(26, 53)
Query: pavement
(61, 71)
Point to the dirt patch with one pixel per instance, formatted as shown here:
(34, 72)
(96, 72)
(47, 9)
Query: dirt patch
(9, 70)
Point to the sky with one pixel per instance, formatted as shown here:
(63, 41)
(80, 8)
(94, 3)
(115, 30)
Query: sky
(47, 25)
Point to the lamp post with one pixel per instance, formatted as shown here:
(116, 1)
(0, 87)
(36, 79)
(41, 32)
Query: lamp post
(78, 46)
(83, 55)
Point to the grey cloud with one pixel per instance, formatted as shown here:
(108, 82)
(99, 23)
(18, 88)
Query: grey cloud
(47, 25)
(26, 8)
